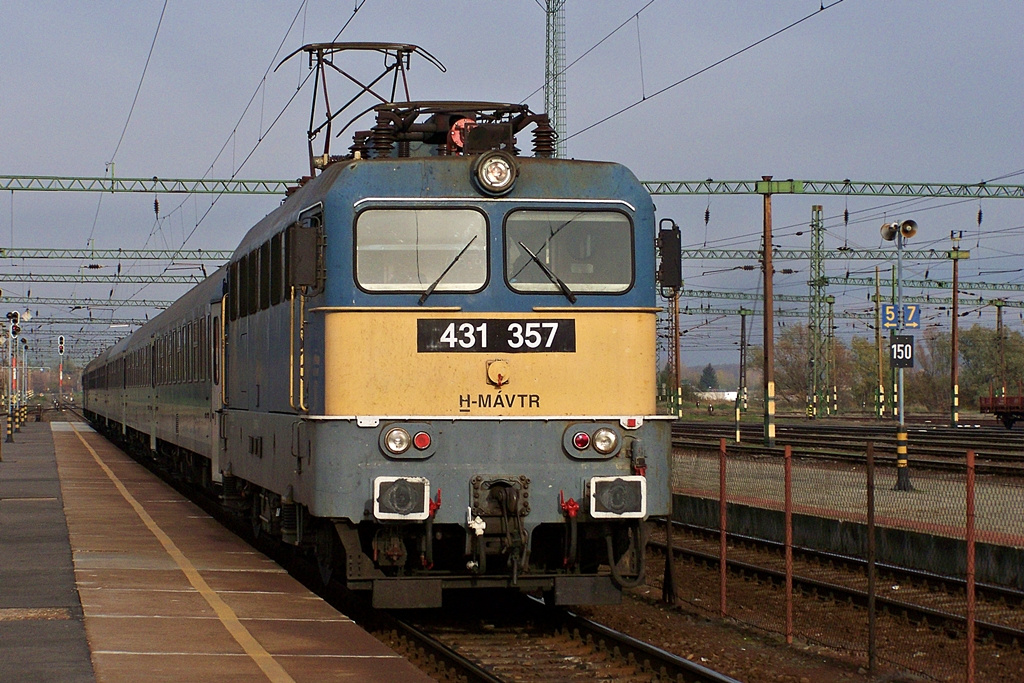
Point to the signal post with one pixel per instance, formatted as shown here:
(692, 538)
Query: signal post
(901, 349)
(60, 374)
(13, 329)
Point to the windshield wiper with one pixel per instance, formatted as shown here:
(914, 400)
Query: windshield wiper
(430, 289)
(551, 276)
(551, 236)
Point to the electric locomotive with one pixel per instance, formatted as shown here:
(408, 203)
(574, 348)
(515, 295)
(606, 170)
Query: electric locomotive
(433, 366)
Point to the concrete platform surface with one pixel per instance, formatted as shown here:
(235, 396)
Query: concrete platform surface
(139, 584)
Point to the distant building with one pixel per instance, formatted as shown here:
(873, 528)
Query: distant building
(717, 396)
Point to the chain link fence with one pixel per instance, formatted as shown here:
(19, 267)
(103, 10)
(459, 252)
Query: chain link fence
(894, 580)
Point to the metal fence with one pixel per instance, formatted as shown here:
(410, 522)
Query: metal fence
(839, 539)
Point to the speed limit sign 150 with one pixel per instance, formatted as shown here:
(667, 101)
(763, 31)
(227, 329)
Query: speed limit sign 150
(901, 351)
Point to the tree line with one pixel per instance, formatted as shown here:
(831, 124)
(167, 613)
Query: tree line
(987, 364)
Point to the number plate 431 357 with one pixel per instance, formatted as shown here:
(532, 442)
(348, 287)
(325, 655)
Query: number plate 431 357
(496, 336)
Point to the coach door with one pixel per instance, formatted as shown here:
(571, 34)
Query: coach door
(215, 349)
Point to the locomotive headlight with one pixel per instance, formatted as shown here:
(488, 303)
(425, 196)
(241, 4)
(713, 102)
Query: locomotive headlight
(397, 440)
(401, 498)
(495, 172)
(618, 497)
(605, 440)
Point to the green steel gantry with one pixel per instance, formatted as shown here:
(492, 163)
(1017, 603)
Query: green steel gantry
(118, 254)
(77, 303)
(123, 278)
(804, 298)
(145, 185)
(655, 187)
(834, 187)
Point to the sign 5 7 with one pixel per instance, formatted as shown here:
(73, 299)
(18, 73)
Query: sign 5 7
(890, 316)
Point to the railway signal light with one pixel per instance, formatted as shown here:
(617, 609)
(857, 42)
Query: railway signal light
(15, 319)
(670, 273)
(60, 344)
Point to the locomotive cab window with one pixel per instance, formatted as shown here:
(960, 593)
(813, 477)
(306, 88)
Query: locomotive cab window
(588, 251)
(409, 250)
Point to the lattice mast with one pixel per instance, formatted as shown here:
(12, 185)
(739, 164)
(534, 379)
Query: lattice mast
(554, 72)
(817, 391)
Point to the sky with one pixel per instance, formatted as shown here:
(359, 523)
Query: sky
(870, 90)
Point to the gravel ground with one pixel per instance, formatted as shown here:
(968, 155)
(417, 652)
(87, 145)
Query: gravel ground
(756, 655)
(726, 646)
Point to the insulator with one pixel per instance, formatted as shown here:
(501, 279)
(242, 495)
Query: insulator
(846, 216)
(544, 139)
(979, 215)
(383, 138)
(707, 215)
(360, 144)
(156, 206)
(403, 148)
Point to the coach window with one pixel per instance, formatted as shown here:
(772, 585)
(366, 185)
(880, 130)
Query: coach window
(409, 250)
(190, 351)
(158, 361)
(179, 355)
(215, 349)
(204, 348)
(589, 251)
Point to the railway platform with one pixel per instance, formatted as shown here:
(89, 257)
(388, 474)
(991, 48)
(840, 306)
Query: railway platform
(109, 574)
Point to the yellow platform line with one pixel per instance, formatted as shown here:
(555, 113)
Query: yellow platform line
(225, 614)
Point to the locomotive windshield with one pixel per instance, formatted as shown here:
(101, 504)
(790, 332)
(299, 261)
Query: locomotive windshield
(410, 250)
(582, 251)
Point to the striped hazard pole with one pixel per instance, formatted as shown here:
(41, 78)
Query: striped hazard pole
(901, 356)
(902, 473)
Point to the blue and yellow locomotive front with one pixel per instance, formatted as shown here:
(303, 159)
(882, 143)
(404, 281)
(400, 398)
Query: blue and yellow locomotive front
(484, 407)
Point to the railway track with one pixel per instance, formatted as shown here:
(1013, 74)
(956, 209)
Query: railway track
(522, 641)
(924, 597)
(938, 449)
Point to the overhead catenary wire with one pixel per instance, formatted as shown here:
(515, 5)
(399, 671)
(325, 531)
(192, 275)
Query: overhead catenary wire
(131, 110)
(592, 47)
(707, 68)
(263, 134)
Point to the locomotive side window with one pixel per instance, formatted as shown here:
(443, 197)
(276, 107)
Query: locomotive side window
(243, 288)
(253, 286)
(265, 265)
(588, 251)
(233, 291)
(276, 270)
(409, 250)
